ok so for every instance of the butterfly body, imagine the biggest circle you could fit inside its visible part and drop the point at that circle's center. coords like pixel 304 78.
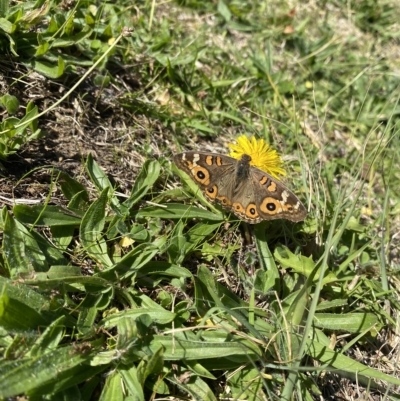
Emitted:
pixel 248 192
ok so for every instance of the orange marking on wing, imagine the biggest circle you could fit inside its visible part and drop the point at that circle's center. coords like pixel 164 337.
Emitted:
pixel 209 160
pixel 272 187
pixel 238 208
pixel 271 206
pixel 251 211
pixel 212 192
pixel 224 200
pixel 201 175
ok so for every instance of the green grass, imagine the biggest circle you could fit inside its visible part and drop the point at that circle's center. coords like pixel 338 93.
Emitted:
pixel 154 293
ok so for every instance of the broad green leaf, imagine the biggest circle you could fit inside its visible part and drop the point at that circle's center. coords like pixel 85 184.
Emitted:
pixel 24 294
pixel 247 384
pixel 199 232
pixel 5 25
pixel 151 366
pixel 32 111
pixel 215 345
pixel 112 389
pixel 35 135
pixel 91 231
pixel 156 385
pixel 267 262
pixel 4 8
pixel 68 27
pixel 102 80
pixel 62 236
pixel 343 364
pixel 10 103
pixel 138 232
pixel 72 41
pixel 163 269
pixel 228 116
pixel 132 383
pixel 61 272
pixel 8 128
pixel 33 16
pixel 218 249
pixel 75 376
pixel 50 338
pixel 264 281
pixel 196 387
pixel 300 264
pixel 197 125
pixel 71 393
pixel 97 175
pixel 223 9
pixel 71 188
pixel 11 311
pixel 144 181
pixel 296 303
pixel 108 32
pixel 209 292
pixel 42 49
pixel 199 370
pixel 177 244
pixel 131 262
pixel 229 82
pixel 127 332
pixel 43 252
pixel 27 120
pixel 86 319
pixel 46 215
pixel 347 322
pixel 178 211
pixel 100 180
pixel 158 314
pixel 92 284
pixel 335 303
pixel 353 256
pixel 14 247
pixel 79 202
pixel 48 69
pixel 210 288
pixel 28 375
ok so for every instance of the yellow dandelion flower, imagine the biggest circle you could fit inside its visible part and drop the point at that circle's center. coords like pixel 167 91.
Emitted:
pixel 262 155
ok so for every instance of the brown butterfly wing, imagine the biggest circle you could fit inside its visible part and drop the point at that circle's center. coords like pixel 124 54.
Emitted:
pixel 212 172
pixel 273 199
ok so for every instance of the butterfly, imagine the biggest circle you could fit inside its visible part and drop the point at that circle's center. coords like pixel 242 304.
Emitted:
pixel 248 192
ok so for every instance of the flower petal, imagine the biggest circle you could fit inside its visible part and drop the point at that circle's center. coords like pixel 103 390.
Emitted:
pixel 262 155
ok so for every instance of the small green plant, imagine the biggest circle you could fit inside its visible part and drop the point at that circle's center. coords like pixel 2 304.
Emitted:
pixel 16 132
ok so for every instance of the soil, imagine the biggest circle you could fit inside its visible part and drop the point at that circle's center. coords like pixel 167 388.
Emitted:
pixel 90 121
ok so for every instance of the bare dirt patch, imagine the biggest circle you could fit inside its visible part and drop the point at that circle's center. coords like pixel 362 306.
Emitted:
pixel 91 121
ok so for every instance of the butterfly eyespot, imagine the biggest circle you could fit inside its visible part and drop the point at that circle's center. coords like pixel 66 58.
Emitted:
pixel 210 190
pixel 200 175
pixel 271 207
pixel 252 211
